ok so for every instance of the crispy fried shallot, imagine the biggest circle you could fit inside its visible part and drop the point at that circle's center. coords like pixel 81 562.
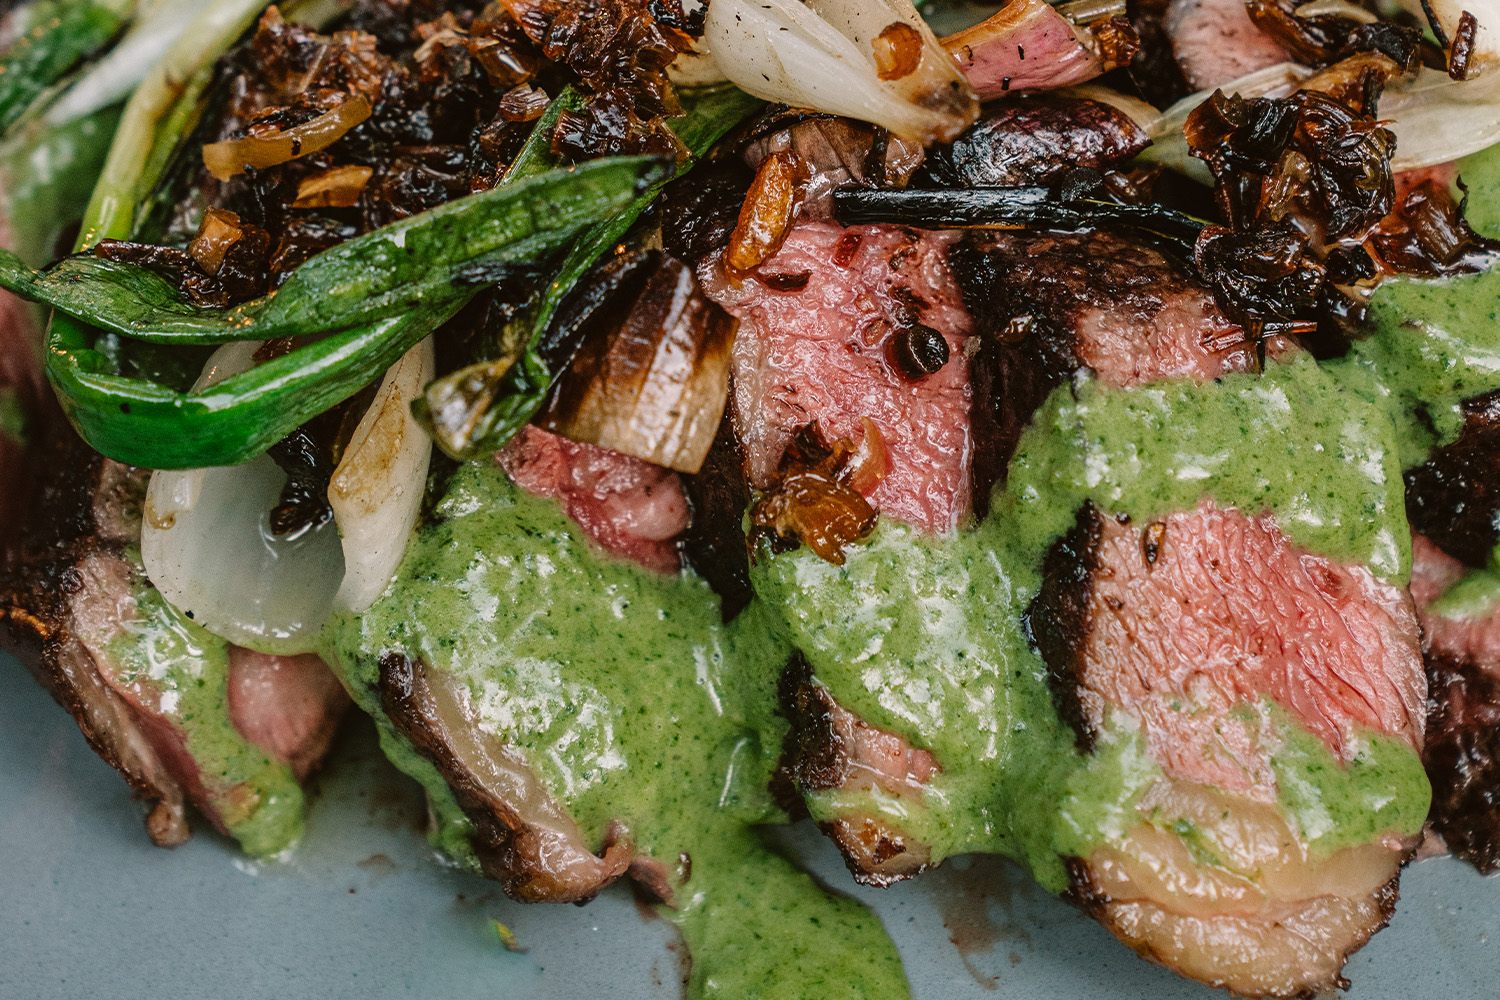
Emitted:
pixel 817 499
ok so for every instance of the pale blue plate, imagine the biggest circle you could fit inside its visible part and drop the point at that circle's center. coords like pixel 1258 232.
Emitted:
pixel 88 908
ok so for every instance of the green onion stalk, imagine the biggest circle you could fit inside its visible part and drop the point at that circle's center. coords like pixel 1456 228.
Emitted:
pixel 355 308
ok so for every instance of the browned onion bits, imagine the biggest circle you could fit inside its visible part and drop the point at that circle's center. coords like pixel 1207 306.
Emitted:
pixel 898 51
pixel 767 214
pixel 917 351
pixel 816 500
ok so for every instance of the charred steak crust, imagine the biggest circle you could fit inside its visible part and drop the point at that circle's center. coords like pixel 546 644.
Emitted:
pixel 1463 756
pixel 1046 305
pixel 510 850
pixel 82 506
pixel 1454 497
pixel 812 749
pixel 714 544
pixel 817 756
pixel 1084 892
pixel 1058 620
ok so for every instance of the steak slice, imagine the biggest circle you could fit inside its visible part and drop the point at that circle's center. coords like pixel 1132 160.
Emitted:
pixel 71 605
pixel 1045 306
pixel 1454 497
pixel 829 747
pixel 629 507
pixel 1462 754
pixel 1187 627
pixel 65 562
pixel 523 838
pixel 823 324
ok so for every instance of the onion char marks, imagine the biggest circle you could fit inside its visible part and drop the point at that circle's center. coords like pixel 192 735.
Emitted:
pixel 1454 497
pixel 1046 305
pixel 828 747
pixel 1186 629
pixel 819 352
pixel 523 838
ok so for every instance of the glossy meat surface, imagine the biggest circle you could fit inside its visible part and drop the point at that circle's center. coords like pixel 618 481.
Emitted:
pixel 820 353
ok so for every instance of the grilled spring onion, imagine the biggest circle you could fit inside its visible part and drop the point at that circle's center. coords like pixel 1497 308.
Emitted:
pixel 1007 208
pixel 369 290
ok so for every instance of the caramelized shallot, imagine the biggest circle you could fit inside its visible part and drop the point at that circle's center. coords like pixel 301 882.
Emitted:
pixel 232 156
pixel 818 498
pixel 767 214
pixel 336 187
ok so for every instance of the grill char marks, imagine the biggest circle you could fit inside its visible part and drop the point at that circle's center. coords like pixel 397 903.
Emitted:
pixel 1186 626
pixel 1061 617
pixel 1046 305
pixel 828 747
pixel 522 836
pixel 1454 498
pixel 714 544
pixel 80 516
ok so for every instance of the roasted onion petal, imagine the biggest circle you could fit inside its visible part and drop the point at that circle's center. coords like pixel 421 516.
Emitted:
pixel 376 490
pixel 822 55
pixel 655 384
pixel 228 158
pixel 1028 45
pixel 207 545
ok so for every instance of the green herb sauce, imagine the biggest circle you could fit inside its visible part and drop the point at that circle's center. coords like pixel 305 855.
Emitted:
pixel 928 640
pixel 159 650
pixel 1436 343
pixel 634 704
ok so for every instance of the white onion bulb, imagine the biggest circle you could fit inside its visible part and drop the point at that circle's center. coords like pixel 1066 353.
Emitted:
pixel 207 543
pixel 821 55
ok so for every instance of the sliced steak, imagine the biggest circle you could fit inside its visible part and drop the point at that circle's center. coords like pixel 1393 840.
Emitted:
pixel 69 599
pixel 1462 754
pixel 1187 626
pixel 1045 306
pixel 289 706
pixel 829 747
pixel 629 507
pixel 67 572
pixel 523 837
pixel 1454 497
pixel 1215 42
pixel 837 345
